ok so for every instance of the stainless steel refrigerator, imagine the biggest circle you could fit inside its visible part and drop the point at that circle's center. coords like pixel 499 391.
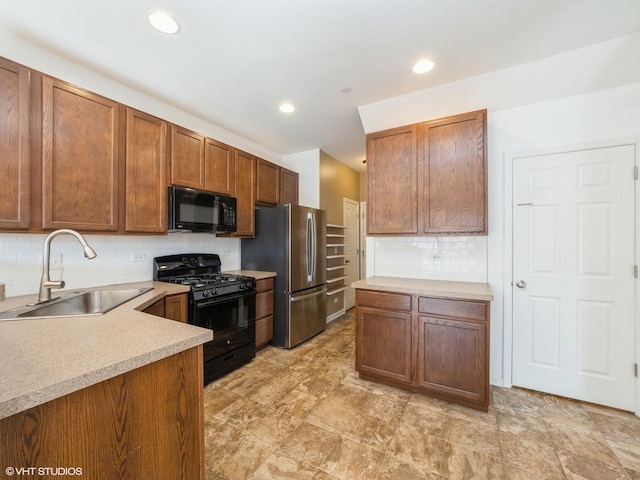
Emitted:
pixel 290 240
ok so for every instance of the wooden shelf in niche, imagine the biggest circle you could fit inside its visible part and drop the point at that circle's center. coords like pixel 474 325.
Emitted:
pixel 335 265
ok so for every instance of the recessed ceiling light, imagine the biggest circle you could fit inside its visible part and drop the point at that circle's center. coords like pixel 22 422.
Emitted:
pixel 164 22
pixel 287 108
pixel 423 66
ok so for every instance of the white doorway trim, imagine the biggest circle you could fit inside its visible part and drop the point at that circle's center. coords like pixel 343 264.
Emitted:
pixel 509 158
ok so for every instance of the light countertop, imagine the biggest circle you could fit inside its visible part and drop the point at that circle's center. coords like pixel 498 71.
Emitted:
pixel 257 274
pixel 431 288
pixel 43 359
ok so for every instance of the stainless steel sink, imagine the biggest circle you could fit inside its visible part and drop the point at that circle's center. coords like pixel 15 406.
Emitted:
pixel 89 302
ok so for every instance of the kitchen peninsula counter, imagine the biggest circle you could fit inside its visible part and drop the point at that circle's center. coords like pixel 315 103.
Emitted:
pixel 47 358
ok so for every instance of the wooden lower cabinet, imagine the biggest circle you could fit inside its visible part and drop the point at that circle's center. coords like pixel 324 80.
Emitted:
pixel 384 343
pixel 173 307
pixel 264 312
pixel 146 423
pixel 435 346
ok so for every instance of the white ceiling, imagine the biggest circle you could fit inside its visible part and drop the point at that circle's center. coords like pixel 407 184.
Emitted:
pixel 235 61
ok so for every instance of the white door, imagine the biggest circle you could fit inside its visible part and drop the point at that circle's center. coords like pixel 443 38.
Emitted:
pixel 573 278
pixel 350 216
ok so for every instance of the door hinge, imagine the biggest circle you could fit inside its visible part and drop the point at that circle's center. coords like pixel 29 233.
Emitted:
pixel 635 173
pixel 635 370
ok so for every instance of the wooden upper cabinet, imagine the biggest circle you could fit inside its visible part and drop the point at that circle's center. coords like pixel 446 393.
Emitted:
pixel 429 178
pixel 146 165
pixel 187 158
pixel 268 182
pixel 288 187
pixel 392 181
pixel 80 158
pixel 14 146
pixel 245 173
pixel 452 157
pixel 219 171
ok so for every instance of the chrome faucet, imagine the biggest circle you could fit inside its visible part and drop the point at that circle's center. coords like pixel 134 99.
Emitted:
pixel 46 284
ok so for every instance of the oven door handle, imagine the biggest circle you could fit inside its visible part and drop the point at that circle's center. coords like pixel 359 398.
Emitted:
pixel 225 299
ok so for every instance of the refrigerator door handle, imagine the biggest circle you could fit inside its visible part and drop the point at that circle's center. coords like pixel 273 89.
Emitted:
pixel 309 295
pixel 311 247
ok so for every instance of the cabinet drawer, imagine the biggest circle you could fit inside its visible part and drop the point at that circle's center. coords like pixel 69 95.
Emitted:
pixel 264 285
pixel 465 309
pixel 386 301
pixel 264 304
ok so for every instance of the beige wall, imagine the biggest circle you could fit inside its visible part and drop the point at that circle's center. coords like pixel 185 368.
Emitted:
pixel 363 187
pixel 337 181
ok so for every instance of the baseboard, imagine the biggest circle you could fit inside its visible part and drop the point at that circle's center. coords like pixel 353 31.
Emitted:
pixel 335 315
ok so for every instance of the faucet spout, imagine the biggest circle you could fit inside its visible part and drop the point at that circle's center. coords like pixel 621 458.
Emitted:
pixel 46 284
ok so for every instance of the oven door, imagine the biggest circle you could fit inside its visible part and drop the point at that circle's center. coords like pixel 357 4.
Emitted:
pixel 232 319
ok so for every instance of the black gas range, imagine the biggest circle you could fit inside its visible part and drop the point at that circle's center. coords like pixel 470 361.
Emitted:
pixel 222 302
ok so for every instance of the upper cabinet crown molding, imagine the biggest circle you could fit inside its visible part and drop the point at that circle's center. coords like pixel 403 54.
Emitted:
pixel 429 178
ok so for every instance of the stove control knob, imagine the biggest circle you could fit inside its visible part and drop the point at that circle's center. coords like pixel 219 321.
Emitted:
pixel 205 293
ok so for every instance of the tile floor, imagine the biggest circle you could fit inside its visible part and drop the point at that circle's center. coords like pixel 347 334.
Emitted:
pixel 305 414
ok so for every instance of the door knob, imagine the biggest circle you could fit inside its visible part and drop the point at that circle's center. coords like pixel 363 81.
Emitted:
pixel 521 284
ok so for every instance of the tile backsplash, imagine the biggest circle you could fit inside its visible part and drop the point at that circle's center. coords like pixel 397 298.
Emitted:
pixel 438 258
pixel 121 259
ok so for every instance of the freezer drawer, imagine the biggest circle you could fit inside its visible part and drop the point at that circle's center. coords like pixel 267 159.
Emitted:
pixel 306 315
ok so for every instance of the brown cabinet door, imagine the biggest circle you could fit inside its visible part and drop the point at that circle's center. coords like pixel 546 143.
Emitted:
pixel 245 194
pixel 452 358
pixel 187 158
pixel 80 158
pixel 176 307
pixel 156 308
pixel 392 182
pixel 264 312
pixel 219 171
pixel 267 182
pixel 146 165
pixel 452 159
pixel 14 146
pixel 383 345
pixel 288 187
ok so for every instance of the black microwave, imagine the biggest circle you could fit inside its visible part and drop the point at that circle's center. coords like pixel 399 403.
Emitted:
pixel 192 210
